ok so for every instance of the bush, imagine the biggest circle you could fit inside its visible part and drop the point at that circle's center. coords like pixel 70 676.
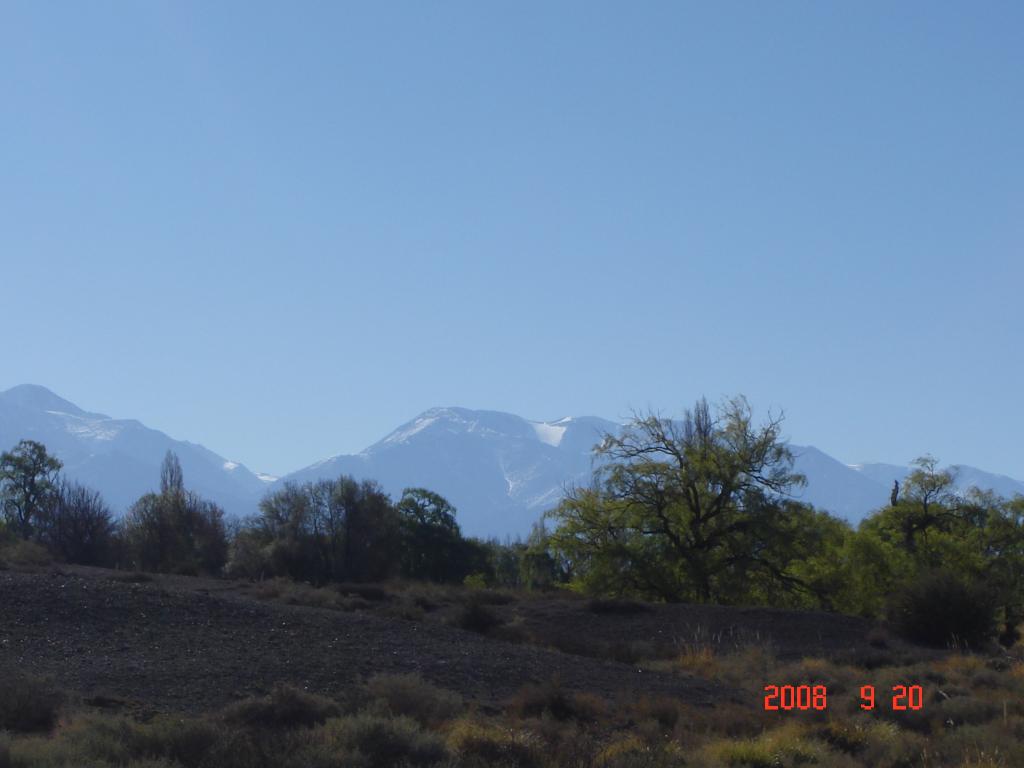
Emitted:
pixel 185 742
pixel 28 705
pixel 475 581
pixel 966 710
pixel 553 700
pixel 477 617
pixel 780 748
pixel 386 742
pixel 482 745
pixel 285 707
pixel 369 592
pixel 412 696
pixel 941 610
pixel 24 554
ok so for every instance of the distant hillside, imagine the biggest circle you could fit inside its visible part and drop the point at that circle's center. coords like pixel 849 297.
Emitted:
pixel 120 458
pixel 500 470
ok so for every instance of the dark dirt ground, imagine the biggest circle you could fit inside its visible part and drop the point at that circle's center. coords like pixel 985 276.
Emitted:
pixel 189 644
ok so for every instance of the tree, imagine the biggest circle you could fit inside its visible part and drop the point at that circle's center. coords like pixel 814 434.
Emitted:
pixel 1004 548
pixel 175 530
pixel 929 502
pixel 331 530
pixel 694 509
pixel 78 526
pixel 172 480
pixel 28 484
pixel 540 566
pixel 432 544
pixel 933 523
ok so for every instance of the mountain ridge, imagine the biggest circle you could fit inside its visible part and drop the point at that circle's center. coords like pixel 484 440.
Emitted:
pixel 500 470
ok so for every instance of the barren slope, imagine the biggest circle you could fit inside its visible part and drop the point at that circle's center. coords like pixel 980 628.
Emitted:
pixel 178 644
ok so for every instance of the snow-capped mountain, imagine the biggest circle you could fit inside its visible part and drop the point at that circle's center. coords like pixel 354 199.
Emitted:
pixel 500 471
pixel 120 458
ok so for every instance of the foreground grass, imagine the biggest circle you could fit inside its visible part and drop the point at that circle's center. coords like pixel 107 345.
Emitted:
pixel 973 716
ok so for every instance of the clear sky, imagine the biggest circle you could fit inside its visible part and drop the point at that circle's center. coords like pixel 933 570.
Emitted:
pixel 282 229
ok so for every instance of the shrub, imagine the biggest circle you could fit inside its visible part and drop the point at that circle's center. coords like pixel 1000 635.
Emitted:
pixel 555 701
pixel 781 748
pixel 663 710
pixel 477 744
pixel 310 597
pixel 634 752
pixel 386 742
pixel 966 710
pixel 28 704
pixel 412 696
pixel 369 592
pixel 477 617
pixel 941 610
pixel 24 554
pixel 100 740
pixel 699 660
pixel 187 742
pixel 285 707
pixel 889 747
pixel 475 581
pixel 847 737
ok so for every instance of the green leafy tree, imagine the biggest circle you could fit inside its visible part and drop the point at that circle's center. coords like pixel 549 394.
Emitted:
pixel 540 564
pixel 1004 549
pixel 432 544
pixel 694 509
pixel 28 486
pixel 929 504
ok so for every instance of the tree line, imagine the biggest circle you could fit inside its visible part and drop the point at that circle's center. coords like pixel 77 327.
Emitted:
pixel 317 532
pixel 704 508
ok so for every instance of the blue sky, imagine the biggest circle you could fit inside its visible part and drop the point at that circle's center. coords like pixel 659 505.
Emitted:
pixel 282 229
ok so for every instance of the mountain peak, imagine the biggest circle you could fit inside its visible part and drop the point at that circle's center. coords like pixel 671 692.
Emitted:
pixel 38 398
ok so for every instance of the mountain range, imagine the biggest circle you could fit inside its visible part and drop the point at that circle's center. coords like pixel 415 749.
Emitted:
pixel 501 471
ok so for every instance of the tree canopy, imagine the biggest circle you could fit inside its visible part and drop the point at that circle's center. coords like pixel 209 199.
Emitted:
pixel 28 485
pixel 690 509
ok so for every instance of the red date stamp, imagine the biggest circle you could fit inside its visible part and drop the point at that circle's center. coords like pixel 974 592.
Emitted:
pixel 815 697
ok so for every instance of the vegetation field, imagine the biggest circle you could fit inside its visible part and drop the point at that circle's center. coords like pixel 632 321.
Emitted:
pixel 114 668
pixel 683 609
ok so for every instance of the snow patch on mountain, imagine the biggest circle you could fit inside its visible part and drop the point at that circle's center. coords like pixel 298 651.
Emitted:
pixel 407 432
pixel 89 427
pixel 550 433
